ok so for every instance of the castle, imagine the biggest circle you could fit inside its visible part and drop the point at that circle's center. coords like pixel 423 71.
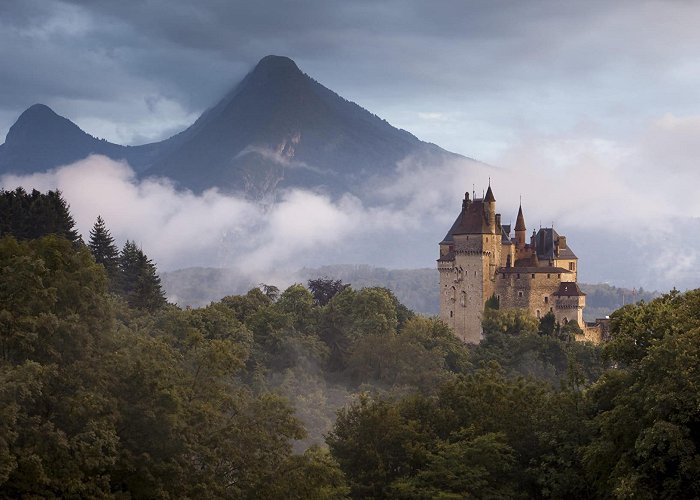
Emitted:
pixel 479 260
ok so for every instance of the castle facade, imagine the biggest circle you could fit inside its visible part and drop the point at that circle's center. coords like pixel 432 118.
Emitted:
pixel 479 259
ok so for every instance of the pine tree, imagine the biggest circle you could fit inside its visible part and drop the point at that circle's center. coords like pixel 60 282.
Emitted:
pixel 32 215
pixel 139 282
pixel 104 250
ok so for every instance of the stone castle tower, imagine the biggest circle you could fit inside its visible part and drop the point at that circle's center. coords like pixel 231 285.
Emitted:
pixel 479 259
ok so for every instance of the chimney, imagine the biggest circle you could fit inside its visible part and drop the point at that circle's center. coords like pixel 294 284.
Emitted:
pixel 562 242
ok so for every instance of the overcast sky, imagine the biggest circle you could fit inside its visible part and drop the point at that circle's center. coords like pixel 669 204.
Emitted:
pixel 590 108
pixel 471 76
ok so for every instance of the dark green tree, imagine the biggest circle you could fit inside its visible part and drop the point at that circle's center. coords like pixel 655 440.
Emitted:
pixel 33 215
pixel 324 289
pixel 492 302
pixel 104 250
pixel 139 282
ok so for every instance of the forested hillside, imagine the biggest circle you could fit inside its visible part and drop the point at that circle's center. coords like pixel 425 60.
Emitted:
pixel 108 391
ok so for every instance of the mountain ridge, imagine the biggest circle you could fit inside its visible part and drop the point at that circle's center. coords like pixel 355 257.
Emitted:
pixel 277 128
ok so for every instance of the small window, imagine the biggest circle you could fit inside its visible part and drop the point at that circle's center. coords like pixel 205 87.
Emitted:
pixel 548 275
pixel 451 314
pixel 546 300
pixel 517 276
pixel 551 309
pixel 538 314
pixel 533 276
pixel 559 275
pixel 572 266
pixel 520 294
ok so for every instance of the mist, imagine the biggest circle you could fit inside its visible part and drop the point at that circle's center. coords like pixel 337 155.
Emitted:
pixel 593 191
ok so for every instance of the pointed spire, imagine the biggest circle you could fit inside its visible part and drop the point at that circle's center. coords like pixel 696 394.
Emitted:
pixel 489 198
pixel 520 222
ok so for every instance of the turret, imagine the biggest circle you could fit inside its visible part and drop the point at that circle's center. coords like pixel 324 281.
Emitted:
pixel 490 207
pixel 520 229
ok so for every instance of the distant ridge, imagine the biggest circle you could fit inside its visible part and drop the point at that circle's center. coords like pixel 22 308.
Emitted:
pixel 277 128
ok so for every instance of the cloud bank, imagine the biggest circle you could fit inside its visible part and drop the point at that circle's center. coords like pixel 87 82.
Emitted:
pixel 629 224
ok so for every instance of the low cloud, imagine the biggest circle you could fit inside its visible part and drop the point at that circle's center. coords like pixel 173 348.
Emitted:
pixel 631 222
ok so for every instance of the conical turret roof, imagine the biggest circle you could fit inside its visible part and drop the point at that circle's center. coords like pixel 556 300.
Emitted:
pixel 489 198
pixel 520 223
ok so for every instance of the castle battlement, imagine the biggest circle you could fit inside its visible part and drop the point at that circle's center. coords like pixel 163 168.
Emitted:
pixel 479 259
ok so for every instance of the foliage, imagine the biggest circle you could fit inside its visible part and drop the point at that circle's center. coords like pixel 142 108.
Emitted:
pixel 103 249
pixel 324 289
pixel 138 281
pixel 98 399
pixel 33 215
pixel 646 442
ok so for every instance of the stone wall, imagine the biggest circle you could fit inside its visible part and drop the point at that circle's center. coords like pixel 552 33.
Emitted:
pixel 527 290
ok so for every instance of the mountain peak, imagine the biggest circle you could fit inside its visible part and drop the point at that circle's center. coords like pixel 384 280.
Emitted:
pixel 276 63
pixel 40 120
pixel 275 68
pixel 38 112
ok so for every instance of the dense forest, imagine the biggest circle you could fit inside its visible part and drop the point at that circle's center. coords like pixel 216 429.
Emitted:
pixel 321 390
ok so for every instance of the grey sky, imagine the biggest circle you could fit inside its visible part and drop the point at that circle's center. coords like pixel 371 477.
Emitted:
pixel 472 76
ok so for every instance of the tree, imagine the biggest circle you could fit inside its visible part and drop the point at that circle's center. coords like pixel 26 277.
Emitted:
pixel 33 215
pixel 270 291
pixel 139 283
pixel 324 289
pixel 104 250
pixel 492 302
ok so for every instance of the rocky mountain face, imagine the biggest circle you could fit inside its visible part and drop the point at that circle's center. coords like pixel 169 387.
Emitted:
pixel 277 128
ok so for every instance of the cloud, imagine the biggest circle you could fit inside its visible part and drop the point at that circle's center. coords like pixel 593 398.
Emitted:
pixel 180 229
pixel 631 221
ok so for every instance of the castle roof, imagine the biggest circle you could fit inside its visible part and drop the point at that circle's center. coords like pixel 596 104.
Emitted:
pixel 489 198
pixel 546 242
pixel 569 289
pixel 520 222
pixel 505 235
pixel 471 220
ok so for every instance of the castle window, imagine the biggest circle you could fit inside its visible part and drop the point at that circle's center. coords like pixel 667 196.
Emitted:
pixel 538 314
pixel 548 275
pixel 551 309
pixel 559 275
pixel 546 300
pixel 533 276
pixel 520 294
pixel 451 314
pixel 517 276
pixel 572 266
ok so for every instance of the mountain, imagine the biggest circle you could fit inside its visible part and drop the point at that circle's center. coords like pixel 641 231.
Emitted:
pixel 277 128
pixel 40 139
pixel 280 128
